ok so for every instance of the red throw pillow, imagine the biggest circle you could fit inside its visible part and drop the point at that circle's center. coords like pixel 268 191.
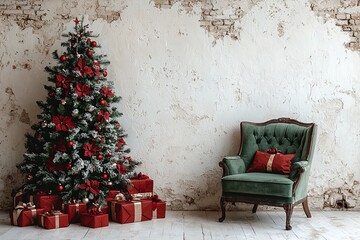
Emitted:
pixel 274 163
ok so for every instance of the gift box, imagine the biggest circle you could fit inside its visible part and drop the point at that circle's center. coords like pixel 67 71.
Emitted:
pixel 94 221
pixel 145 186
pixel 74 210
pixel 113 193
pixel 54 219
pixel 104 210
pixel 128 212
pixel 24 216
pixel 46 202
pixel 159 209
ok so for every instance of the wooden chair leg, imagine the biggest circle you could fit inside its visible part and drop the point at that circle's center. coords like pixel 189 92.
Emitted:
pixel 222 205
pixel 288 210
pixel 255 207
pixel 306 208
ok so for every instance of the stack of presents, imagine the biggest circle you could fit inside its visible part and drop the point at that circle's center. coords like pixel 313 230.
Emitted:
pixel 138 204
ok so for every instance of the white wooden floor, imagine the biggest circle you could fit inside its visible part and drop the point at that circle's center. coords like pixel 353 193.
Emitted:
pixel 337 225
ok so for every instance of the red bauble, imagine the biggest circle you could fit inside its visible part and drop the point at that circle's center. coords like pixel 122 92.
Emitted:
pixel 105 176
pixel 68 166
pixel 93 44
pixel 89 53
pixel 60 188
pixel 102 139
pixel 51 93
pixel 99 157
pixel 62 58
pixel 105 73
pixel 118 124
pixel 70 143
pixel 102 102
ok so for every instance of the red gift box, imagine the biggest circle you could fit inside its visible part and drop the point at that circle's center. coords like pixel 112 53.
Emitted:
pixel 46 202
pixel 141 186
pixel 128 212
pixel 94 221
pixel 74 210
pixel 24 217
pixel 104 209
pixel 53 220
pixel 159 209
pixel 113 193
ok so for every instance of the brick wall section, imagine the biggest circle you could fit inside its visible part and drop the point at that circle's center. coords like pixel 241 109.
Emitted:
pixel 218 22
pixel 29 13
pixel 347 16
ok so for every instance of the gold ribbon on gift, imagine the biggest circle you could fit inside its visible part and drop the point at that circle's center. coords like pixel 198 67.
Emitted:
pixel 139 196
pixel 120 197
pixel 137 211
pixel 18 194
pixel 15 216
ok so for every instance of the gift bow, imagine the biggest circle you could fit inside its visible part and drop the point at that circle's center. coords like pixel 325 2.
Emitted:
pixel 24 206
pixel 53 213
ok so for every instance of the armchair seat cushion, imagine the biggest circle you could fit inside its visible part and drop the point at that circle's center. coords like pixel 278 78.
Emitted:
pixel 258 183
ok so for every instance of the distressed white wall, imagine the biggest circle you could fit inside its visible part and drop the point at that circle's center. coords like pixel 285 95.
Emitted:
pixel 185 93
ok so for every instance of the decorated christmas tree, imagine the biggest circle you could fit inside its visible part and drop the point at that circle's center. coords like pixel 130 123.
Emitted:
pixel 78 149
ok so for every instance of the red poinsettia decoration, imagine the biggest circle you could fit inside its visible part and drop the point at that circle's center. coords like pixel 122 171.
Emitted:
pixel 51 166
pixel 106 92
pixel 90 149
pixel 63 123
pixel 81 66
pixel 102 116
pixel 82 89
pixel 60 146
pixel 91 185
pixel 62 81
pixel 121 168
pixel 120 143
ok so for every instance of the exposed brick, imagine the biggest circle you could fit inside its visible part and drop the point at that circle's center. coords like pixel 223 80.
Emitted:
pixel 29 11
pixel 218 22
pixel 204 23
pixel 12 12
pixel 343 22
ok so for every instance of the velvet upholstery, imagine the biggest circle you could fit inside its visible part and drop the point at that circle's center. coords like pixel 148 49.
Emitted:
pixel 290 137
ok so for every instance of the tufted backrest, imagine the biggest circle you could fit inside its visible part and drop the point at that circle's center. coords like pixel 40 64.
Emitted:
pixel 287 135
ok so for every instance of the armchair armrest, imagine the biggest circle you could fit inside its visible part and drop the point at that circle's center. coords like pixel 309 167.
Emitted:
pixel 298 168
pixel 232 165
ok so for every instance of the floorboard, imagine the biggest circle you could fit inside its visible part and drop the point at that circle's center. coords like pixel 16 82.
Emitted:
pixel 204 225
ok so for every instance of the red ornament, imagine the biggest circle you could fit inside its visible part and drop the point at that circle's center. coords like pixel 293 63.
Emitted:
pixel 51 93
pixel 89 53
pixel 118 124
pixel 99 157
pixel 105 176
pixel 76 21
pixel 102 139
pixel 105 73
pixel 60 188
pixel 70 143
pixel 93 44
pixel 102 102
pixel 62 58
pixel 68 166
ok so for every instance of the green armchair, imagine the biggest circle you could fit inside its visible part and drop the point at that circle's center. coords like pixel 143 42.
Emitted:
pixel 290 137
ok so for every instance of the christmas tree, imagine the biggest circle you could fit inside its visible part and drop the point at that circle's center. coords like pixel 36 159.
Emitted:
pixel 78 149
